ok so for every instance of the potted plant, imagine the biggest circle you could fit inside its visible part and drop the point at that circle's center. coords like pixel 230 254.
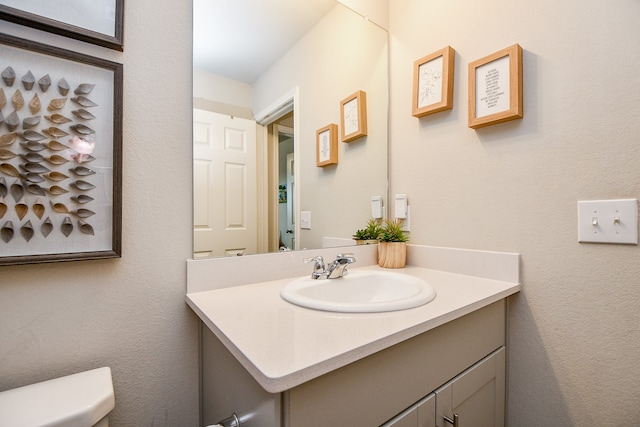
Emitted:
pixel 392 249
pixel 368 235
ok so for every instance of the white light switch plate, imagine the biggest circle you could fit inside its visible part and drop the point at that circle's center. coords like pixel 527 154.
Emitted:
pixel 305 220
pixel 376 207
pixel 400 208
pixel 608 221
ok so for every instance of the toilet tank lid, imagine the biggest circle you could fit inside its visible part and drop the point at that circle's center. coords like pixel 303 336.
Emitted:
pixel 78 400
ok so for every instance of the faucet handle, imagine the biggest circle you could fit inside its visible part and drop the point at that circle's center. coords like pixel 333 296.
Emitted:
pixel 319 266
pixel 318 259
pixel 348 257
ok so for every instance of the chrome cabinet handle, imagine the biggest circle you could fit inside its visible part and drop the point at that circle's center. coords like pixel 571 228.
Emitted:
pixel 232 421
pixel 453 421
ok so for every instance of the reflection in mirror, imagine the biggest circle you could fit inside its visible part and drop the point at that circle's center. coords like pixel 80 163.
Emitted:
pixel 254 136
pixel 283 130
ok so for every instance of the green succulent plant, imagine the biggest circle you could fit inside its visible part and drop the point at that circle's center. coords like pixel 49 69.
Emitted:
pixel 392 231
pixel 370 232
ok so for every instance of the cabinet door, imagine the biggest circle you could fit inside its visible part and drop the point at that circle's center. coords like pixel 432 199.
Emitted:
pixel 427 411
pixel 422 414
pixel 476 396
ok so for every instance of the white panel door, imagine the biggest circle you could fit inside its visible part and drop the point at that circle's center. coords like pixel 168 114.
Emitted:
pixel 225 199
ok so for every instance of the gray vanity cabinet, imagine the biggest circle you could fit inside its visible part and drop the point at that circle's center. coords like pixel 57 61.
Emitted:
pixel 476 396
pixel 458 366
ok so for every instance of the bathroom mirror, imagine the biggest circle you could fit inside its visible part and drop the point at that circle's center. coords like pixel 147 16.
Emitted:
pixel 283 105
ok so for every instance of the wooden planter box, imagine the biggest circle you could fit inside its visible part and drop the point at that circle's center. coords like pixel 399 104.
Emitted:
pixel 392 254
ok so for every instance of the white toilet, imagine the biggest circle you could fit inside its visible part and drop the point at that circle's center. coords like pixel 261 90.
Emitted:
pixel 79 400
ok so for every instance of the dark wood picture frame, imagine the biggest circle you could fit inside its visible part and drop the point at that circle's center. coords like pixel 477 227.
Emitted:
pixel 60 175
pixel 115 41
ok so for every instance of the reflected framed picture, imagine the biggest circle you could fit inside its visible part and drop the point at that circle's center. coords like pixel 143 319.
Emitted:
pixel 99 22
pixel 327 145
pixel 433 82
pixel 495 88
pixel 353 116
pixel 60 154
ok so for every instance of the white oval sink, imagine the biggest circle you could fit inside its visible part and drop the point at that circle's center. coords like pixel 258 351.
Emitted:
pixel 361 291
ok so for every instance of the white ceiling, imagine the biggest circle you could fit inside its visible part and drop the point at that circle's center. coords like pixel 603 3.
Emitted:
pixel 240 39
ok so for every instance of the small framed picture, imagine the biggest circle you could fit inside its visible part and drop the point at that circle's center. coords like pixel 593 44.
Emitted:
pixel 99 22
pixel 327 145
pixel 353 116
pixel 433 82
pixel 495 88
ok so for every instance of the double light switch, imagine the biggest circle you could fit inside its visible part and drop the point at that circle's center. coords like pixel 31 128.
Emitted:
pixel 608 221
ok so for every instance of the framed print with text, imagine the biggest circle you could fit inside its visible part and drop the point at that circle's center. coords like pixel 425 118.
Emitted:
pixel 495 88
pixel 99 22
pixel 353 116
pixel 433 82
pixel 327 145
pixel 60 154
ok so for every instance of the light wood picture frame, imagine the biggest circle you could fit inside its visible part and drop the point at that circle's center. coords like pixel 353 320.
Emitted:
pixel 495 88
pixel 353 116
pixel 433 82
pixel 327 145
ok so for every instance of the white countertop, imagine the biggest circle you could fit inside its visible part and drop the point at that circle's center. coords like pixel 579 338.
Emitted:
pixel 283 345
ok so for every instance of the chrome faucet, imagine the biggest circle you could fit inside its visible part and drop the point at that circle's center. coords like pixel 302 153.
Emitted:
pixel 337 268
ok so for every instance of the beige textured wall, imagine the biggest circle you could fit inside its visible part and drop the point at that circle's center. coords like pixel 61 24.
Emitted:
pixel 574 330
pixel 126 313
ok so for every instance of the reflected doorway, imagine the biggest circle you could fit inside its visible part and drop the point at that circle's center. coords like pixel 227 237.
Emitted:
pixel 244 185
pixel 225 185
pixel 283 170
pixel 286 185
